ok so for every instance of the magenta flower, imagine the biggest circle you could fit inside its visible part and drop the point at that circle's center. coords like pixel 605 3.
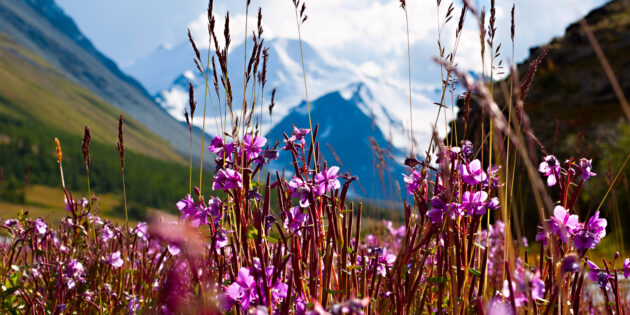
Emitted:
pixel 472 173
pixel 299 188
pixel 597 275
pixel 550 167
pixel 436 214
pixel 524 284
pixel 295 219
pixel 192 212
pixel 222 239
pixel 279 290
pixel 467 148
pixel 253 146
pixel 11 223
pixel 474 203
pixel 413 182
pixel 227 179
pixel 74 273
pixel 596 225
pixel 297 138
pixel 397 233
pixel 40 226
pixel 115 260
pixel 493 177
pixel 142 230
pixel 215 210
pixel 439 209
pixel 243 290
pixel 327 181
pixel 563 224
pixel 570 263
pixel 300 305
pixel 626 268
pixel 585 167
pixel 173 249
pixel 106 233
pixel 223 150
pixel 592 233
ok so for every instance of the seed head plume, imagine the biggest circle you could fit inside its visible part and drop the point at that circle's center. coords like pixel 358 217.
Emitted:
pixel 482 33
pixel 492 29
pixel 210 9
pixel 59 158
pixel 211 21
pixel 120 145
pixel 512 28
pixel 403 4
pixel 194 46
pixel 263 76
pixel 252 58
pixel 198 66
pixel 187 119
pixel 533 67
pixel 462 17
pixel 191 100
pixel 58 149
pixel 215 80
pixel 85 146
pixel 273 98
pixel 260 28
pixel 226 32
pixel 258 52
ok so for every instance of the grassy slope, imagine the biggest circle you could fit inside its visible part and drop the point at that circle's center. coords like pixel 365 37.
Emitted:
pixel 37 104
pixel 33 91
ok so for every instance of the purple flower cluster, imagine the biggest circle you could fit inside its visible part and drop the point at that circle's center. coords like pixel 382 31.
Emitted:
pixel 550 167
pixel 227 179
pixel 324 181
pixel 246 287
pixel 566 226
pixel 197 213
pixel 295 219
pixel 297 139
pixel 526 285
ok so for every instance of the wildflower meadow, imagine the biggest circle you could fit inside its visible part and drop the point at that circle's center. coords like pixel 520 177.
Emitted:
pixel 255 237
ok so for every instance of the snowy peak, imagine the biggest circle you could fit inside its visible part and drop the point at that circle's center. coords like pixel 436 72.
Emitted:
pixel 347 137
pixel 158 69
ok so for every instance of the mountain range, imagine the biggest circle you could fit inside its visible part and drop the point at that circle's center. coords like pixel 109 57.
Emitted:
pixel 337 90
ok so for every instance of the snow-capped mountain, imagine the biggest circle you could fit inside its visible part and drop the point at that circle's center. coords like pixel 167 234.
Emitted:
pixel 387 101
pixel 347 137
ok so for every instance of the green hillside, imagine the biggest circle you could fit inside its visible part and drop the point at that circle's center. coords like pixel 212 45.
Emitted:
pixel 37 104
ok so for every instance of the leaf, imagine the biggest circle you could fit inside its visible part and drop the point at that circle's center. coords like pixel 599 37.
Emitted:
pixel 252 232
pixel 9 291
pixel 330 291
pixel 438 279
pixel 474 272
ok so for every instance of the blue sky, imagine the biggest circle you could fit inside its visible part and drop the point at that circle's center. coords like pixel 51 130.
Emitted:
pixel 368 33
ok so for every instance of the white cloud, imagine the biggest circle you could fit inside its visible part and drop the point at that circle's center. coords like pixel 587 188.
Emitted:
pixel 372 34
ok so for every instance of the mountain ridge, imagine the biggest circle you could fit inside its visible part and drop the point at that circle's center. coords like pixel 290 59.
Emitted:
pixel 39 25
